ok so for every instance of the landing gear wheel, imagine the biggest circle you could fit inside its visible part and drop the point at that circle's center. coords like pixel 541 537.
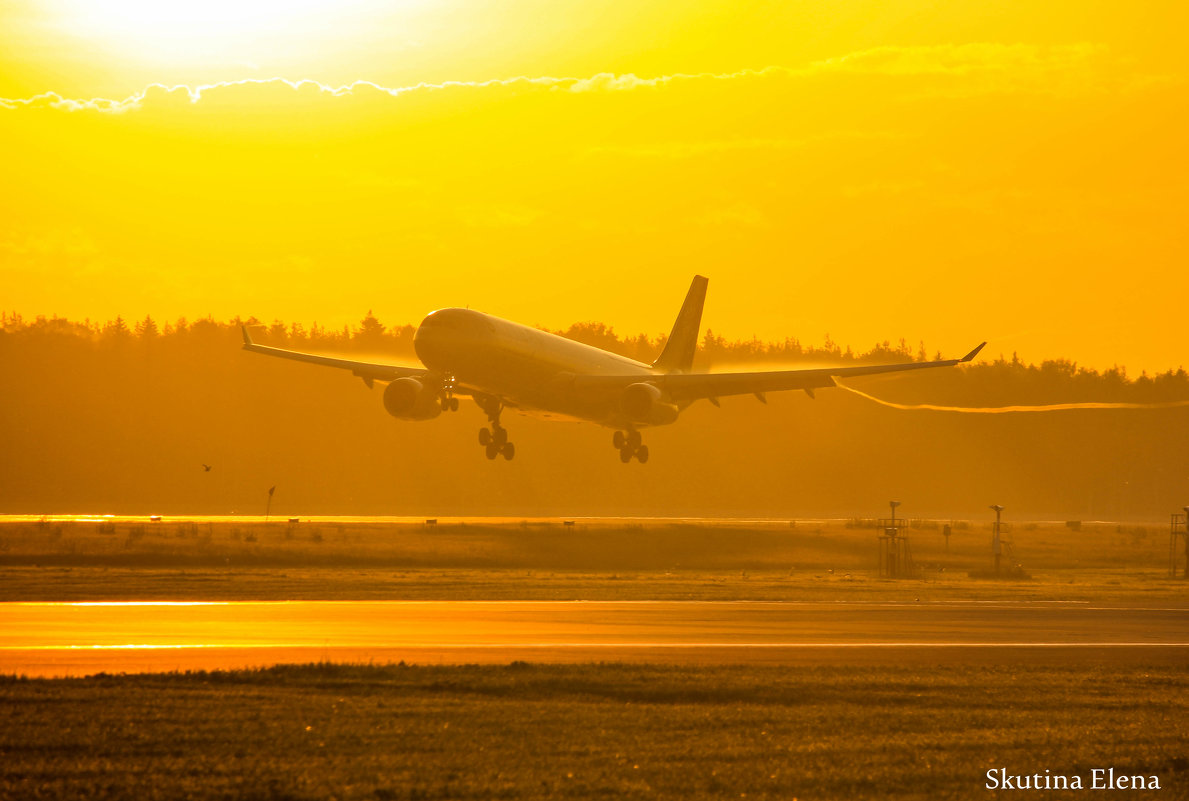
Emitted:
pixel 454 404
pixel 629 443
pixel 493 439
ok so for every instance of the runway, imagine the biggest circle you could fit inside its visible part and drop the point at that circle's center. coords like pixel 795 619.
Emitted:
pixel 70 639
pixel 467 520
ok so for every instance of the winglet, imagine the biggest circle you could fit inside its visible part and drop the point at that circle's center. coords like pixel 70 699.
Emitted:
pixel 972 353
pixel 248 341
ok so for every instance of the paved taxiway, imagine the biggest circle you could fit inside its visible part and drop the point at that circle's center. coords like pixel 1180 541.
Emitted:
pixel 48 639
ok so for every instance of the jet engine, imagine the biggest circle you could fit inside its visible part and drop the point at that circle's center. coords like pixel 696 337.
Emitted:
pixel 645 403
pixel 409 399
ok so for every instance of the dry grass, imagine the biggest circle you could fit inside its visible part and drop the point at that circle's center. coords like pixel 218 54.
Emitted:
pixel 1118 587
pixel 579 731
pixel 240 561
pixel 585 731
pixel 595 546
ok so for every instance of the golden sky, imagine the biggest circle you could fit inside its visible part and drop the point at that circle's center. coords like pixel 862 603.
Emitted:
pixel 942 171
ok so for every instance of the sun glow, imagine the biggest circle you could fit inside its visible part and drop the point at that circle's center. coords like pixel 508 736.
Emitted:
pixel 994 173
pixel 239 31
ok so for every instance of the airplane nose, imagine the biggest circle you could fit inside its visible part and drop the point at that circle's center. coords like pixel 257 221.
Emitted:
pixel 432 339
pixel 427 344
pixel 450 338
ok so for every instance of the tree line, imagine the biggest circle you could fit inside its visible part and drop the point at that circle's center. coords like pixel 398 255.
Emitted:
pixel 1060 380
pixel 121 417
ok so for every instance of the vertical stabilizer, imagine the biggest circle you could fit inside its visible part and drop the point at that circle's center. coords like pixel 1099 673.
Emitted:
pixel 678 355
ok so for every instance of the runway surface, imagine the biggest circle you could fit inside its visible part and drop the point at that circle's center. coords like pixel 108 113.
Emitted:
pixel 64 639
pixel 472 520
pixel 332 519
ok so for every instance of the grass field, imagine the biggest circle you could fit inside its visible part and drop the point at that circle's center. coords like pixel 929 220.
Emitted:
pixel 368 561
pixel 593 731
pixel 819 731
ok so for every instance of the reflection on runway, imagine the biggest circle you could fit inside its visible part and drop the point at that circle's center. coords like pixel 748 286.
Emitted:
pixel 81 638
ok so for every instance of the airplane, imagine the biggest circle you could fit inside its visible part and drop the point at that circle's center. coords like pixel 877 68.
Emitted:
pixel 505 365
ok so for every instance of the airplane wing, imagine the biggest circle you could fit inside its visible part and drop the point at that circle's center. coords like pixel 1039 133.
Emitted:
pixel 692 386
pixel 368 371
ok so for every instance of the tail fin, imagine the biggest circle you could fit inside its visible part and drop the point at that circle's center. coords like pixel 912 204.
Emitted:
pixel 678 355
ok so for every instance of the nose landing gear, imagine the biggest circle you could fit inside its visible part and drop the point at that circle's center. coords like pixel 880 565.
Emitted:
pixel 630 445
pixel 448 402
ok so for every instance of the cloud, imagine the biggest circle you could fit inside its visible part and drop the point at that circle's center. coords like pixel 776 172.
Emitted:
pixel 498 215
pixel 964 59
pixel 610 82
pixel 973 69
pixel 53 100
pixel 49 242
pixel 685 149
pixel 966 68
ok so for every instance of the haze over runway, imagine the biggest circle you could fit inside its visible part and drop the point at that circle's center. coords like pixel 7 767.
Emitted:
pixel 52 639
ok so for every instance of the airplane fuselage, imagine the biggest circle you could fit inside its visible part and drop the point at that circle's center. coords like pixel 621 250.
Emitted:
pixel 502 364
pixel 530 369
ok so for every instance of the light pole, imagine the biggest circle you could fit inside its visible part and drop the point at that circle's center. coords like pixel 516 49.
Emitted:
pixel 1186 508
pixel 996 546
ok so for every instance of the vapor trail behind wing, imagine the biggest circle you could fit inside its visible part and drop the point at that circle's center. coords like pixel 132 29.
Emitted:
pixel 1054 407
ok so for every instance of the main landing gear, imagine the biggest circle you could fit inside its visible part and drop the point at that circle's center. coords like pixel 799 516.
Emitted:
pixel 495 439
pixel 630 445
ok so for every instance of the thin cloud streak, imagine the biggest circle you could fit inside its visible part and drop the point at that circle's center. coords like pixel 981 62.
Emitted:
pixel 984 67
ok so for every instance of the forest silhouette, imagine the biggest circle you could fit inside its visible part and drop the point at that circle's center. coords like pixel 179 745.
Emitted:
pixel 122 418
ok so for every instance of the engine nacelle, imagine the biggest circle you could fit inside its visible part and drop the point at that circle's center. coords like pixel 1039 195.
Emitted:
pixel 409 399
pixel 644 403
